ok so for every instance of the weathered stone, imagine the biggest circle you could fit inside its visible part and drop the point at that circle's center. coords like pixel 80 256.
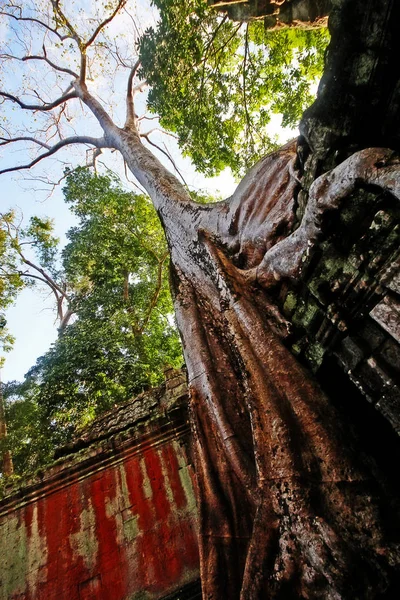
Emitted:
pixel 115 520
pixel 387 314
pixel 349 353
pixel 389 405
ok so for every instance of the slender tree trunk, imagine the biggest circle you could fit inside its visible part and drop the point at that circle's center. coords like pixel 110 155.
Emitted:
pixel 7 463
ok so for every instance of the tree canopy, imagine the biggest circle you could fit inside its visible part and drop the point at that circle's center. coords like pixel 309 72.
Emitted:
pixel 217 83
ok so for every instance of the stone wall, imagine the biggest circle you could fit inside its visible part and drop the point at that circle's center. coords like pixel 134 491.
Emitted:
pixel 115 517
pixel 346 309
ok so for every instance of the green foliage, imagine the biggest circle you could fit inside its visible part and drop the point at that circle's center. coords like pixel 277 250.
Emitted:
pixel 18 248
pixel 116 264
pixel 30 436
pixel 39 234
pixel 216 83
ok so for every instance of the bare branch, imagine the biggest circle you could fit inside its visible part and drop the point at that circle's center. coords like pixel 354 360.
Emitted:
pixel 59 12
pixel 44 58
pixel 146 133
pixel 166 153
pixel 146 118
pixel 120 5
pixel 97 142
pixel 49 62
pixel 38 22
pixel 39 107
pixel 6 141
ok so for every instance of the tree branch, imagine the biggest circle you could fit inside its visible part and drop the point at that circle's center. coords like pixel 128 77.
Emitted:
pixel 64 21
pixel 40 107
pixel 146 137
pixel 120 5
pixel 97 142
pixel 156 294
pixel 130 107
pixel 65 319
pixel 6 141
pixel 38 22
pixel 53 65
pixel 96 108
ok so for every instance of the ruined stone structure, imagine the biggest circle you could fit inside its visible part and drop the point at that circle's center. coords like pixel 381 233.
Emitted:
pixel 114 518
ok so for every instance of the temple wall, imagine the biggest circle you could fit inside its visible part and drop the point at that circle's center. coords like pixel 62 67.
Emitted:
pixel 114 520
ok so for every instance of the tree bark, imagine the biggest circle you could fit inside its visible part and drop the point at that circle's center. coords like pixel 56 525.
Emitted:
pixel 277 14
pixel 7 467
pixel 289 507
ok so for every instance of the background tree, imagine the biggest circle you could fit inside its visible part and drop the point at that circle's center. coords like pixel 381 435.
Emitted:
pixel 31 437
pixel 122 333
pixel 282 483
pixel 27 258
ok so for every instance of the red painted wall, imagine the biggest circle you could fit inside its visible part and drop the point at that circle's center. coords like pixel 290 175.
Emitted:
pixel 117 525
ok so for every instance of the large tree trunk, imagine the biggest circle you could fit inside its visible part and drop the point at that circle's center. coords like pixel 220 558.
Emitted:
pixel 289 507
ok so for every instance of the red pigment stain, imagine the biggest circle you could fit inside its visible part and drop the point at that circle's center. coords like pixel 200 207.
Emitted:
pixel 165 545
pixel 64 568
pixel 141 506
pixel 190 546
pixel 154 471
pixel 171 462
pixel 111 559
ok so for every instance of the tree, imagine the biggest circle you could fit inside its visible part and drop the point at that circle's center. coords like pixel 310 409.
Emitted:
pixel 216 83
pixel 29 257
pixel 19 247
pixel 288 505
pixel 31 437
pixel 119 336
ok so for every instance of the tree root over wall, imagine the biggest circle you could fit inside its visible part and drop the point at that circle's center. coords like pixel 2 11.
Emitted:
pixel 289 505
